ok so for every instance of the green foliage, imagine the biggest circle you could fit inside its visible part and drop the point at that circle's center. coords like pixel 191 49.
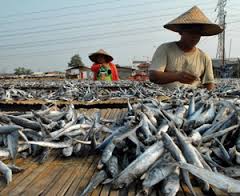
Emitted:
pixel 22 71
pixel 75 61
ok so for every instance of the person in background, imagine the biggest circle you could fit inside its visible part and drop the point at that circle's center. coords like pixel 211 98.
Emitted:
pixel 181 63
pixel 102 68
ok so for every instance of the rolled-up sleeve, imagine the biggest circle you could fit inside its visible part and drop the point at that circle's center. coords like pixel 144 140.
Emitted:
pixel 159 60
pixel 208 76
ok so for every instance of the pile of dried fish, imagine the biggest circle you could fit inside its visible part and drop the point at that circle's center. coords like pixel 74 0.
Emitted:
pixel 228 87
pixel 80 91
pixel 36 133
pixel 54 83
pixel 156 144
pixel 69 90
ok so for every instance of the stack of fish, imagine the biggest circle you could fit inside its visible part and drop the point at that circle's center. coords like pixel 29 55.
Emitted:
pixel 36 133
pixel 161 143
pixel 79 90
pixel 69 90
pixel 25 84
pixel 155 143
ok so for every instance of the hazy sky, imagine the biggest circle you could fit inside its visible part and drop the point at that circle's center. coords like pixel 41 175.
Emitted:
pixel 43 35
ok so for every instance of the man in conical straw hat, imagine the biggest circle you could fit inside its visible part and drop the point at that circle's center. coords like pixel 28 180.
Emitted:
pixel 102 68
pixel 181 63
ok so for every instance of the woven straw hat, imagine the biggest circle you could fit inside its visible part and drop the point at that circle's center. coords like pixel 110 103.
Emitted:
pixel 93 56
pixel 194 17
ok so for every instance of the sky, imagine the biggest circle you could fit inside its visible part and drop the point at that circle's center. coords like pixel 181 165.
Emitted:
pixel 44 35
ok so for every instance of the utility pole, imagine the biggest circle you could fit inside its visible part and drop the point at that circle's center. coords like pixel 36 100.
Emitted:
pixel 230 48
pixel 223 51
pixel 221 37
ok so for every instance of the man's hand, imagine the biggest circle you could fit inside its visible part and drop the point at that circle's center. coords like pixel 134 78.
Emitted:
pixel 185 77
pixel 209 86
pixel 160 77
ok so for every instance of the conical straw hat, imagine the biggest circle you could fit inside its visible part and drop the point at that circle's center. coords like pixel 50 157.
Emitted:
pixel 195 17
pixel 93 56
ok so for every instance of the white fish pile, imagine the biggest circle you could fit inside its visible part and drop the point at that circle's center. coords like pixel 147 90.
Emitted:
pixel 68 90
pixel 161 143
pixel 36 133
pixel 154 143
pixel 78 90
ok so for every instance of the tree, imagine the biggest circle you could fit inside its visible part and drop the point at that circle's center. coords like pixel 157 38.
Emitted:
pixel 75 61
pixel 22 71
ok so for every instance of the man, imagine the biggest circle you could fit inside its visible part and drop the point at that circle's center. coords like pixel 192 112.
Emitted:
pixel 181 63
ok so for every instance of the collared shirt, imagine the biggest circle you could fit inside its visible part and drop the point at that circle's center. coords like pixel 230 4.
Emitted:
pixel 169 57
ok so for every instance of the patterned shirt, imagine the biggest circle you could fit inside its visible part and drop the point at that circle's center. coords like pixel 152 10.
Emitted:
pixel 104 73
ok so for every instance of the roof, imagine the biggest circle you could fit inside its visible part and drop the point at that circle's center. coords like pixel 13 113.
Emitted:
pixel 140 62
pixel 140 74
pixel 144 65
pixel 124 67
pixel 38 73
pixel 78 67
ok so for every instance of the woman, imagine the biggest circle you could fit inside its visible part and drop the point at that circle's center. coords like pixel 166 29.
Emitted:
pixel 102 68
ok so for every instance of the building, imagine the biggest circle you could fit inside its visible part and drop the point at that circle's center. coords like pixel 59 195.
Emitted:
pixel 79 72
pixel 143 67
pixel 54 74
pixel 139 76
pixel 231 69
pixel 38 73
pixel 124 72
pixel 141 72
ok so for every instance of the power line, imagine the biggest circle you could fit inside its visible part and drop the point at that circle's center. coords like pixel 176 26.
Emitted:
pixel 83 26
pixel 74 50
pixel 232 22
pixel 59 51
pixel 84 12
pixel 87 12
pixel 67 23
pixel 124 34
pixel 232 31
pixel 235 8
pixel 62 41
pixel 77 38
pixel 72 39
pixel 82 38
pixel 49 52
pixel 27 33
pixel 57 9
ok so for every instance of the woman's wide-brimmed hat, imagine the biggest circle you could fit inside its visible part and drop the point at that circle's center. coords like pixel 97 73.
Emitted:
pixel 93 56
pixel 196 18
